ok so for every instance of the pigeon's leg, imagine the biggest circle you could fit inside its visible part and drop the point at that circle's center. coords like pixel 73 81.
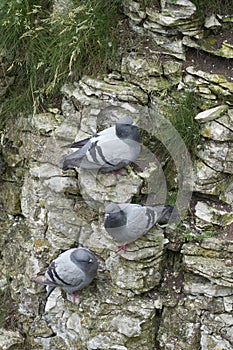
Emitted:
pixel 122 247
pixel 117 173
pixel 74 297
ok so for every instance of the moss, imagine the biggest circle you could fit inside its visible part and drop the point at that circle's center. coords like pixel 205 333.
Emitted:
pixel 9 316
pixel 196 237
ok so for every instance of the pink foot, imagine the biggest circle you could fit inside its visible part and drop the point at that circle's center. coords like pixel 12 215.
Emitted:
pixel 121 247
pixel 117 173
pixel 74 297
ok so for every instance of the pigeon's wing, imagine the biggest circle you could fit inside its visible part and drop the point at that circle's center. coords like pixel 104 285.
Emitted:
pixel 41 279
pixel 64 273
pixel 77 144
pixel 105 151
pixel 49 290
pixel 110 151
pixel 81 143
pixel 140 219
pixel 75 159
pixel 90 155
pixel 168 214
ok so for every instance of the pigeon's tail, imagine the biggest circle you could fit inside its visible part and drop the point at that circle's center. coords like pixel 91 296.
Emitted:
pixel 49 290
pixel 168 214
pixel 69 162
pixel 66 164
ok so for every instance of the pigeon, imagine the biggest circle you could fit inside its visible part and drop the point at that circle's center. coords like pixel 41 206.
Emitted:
pixel 127 222
pixel 71 271
pixel 108 150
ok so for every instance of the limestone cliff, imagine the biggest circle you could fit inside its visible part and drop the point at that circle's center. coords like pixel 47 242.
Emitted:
pixel 171 289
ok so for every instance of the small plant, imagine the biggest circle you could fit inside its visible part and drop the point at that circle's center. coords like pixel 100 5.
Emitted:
pixel 182 114
pixel 196 236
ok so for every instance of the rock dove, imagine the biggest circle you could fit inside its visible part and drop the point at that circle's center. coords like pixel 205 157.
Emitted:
pixel 126 222
pixel 108 150
pixel 71 271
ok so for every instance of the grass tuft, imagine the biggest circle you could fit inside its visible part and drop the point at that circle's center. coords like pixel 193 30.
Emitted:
pixel 182 114
pixel 42 47
pixel 209 7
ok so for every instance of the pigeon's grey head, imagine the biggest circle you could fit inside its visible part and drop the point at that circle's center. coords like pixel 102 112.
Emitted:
pixel 114 216
pixel 126 130
pixel 85 260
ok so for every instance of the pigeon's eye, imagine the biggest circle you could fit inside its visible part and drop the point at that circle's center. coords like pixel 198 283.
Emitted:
pixel 90 260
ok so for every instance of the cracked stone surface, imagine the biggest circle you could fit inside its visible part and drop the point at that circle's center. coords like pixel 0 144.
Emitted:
pixel 164 289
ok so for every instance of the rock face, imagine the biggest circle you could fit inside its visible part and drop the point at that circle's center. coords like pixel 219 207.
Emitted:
pixel 172 288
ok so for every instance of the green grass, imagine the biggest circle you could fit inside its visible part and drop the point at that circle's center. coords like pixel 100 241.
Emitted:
pixel 208 7
pixel 181 113
pixel 42 48
pixel 190 236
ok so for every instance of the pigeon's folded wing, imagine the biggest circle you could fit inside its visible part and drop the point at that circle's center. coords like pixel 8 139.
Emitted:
pixel 65 274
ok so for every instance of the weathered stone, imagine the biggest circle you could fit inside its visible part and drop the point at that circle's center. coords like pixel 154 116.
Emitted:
pixel 99 189
pixel 211 114
pixel 227 85
pixel 227 195
pixel 216 331
pixel 221 92
pixel 46 122
pixel 167 46
pixel 10 339
pixel 173 71
pixel 197 285
pixel 183 335
pixel 44 171
pixel 225 51
pixel 211 247
pixel 147 73
pixel 212 22
pixel 173 14
pixel 210 181
pixel 154 27
pixel 213 215
pixel 10 195
pixel 62 7
pixel 213 78
pixel 137 319
pixel 134 11
pixel 180 9
pixel 191 29
pixel 216 131
pixel 69 128
pixel 113 90
pixel 205 263
pixel 218 155
pixel 139 268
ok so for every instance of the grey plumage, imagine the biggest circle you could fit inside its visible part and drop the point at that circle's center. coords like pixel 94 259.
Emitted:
pixel 108 150
pixel 71 271
pixel 126 222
